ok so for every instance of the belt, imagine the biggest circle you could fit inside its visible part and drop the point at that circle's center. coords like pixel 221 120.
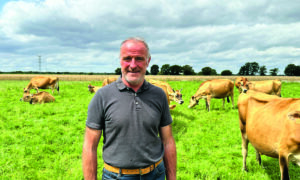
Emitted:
pixel 140 171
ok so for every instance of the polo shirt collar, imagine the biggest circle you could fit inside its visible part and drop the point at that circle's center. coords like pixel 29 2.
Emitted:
pixel 122 86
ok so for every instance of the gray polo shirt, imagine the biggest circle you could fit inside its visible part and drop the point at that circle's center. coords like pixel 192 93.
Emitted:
pixel 130 123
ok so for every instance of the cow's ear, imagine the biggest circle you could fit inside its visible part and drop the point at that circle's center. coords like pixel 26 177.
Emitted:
pixel 193 97
pixel 295 116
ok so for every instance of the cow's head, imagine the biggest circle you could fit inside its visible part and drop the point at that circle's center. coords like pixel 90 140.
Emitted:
pixel 26 97
pixel 177 96
pixel 193 102
pixel 239 81
pixel 91 88
pixel 244 86
pixel 26 90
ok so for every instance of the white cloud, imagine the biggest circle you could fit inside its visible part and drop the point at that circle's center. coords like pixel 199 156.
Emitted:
pixel 84 35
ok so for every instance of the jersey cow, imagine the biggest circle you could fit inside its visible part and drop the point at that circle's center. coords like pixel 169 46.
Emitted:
pixel 216 88
pixel 108 80
pixel 174 95
pixel 42 82
pixel 41 97
pixel 268 86
pixel 272 125
pixel 93 89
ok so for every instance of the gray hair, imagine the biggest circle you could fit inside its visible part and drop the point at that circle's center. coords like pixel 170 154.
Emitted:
pixel 140 40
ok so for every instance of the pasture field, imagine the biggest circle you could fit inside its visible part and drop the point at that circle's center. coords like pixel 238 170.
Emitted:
pixel 44 141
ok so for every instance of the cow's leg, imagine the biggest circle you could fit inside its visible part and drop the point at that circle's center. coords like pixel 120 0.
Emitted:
pixel 231 97
pixel 223 102
pixel 284 169
pixel 245 143
pixel 208 103
pixel 258 157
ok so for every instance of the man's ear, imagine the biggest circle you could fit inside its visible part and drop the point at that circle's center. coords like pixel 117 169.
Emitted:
pixel 149 59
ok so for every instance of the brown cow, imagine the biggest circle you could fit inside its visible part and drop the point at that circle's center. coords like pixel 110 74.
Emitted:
pixel 174 95
pixel 267 86
pixel 272 125
pixel 239 81
pixel 108 80
pixel 216 88
pixel 165 89
pixel 93 89
pixel 41 97
pixel 42 82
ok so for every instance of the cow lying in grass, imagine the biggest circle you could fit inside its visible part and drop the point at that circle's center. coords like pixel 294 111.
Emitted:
pixel 93 89
pixel 41 97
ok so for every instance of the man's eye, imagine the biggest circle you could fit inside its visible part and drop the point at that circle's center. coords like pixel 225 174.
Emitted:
pixel 139 58
pixel 126 58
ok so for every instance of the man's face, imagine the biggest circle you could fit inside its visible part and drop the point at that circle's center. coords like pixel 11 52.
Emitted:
pixel 134 61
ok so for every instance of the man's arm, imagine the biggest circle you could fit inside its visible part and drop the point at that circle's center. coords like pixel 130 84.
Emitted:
pixel 170 157
pixel 89 153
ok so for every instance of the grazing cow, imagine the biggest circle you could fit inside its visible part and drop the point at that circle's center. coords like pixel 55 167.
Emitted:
pixel 216 88
pixel 165 89
pixel 108 80
pixel 174 95
pixel 272 125
pixel 42 82
pixel 93 89
pixel 41 97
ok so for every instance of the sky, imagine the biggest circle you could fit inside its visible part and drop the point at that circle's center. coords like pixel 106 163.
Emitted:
pixel 85 35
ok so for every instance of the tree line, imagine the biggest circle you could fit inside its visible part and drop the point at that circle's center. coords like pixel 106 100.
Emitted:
pixel 249 69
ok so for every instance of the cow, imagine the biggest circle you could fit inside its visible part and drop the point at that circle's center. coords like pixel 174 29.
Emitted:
pixel 93 89
pixel 239 81
pixel 267 86
pixel 41 97
pixel 165 89
pixel 272 125
pixel 43 82
pixel 174 95
pixel 108 80
pixel 216 88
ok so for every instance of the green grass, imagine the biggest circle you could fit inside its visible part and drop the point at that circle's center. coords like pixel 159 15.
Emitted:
pixel 45 141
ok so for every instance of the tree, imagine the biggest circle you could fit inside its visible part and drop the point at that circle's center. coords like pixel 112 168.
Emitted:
pixel 274 72
pixel 226 73
pixel 165 69
pixel 154 69
pixel 243 71
pixel 262 70
pixel 175 70
pixel 188 70
pixel 249 69
pixel 118 71
pixel 208 71
pixel 292 70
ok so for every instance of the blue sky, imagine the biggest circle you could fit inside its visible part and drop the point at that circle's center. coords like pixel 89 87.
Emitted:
pixel 85 35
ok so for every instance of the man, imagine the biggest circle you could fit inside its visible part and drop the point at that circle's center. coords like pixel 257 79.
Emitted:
pixel 136 123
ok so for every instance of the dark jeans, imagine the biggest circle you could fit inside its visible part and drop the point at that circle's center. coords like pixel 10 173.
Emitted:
pixel 157 174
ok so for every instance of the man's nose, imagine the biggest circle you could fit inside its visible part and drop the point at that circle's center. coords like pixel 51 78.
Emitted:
pixel 133 63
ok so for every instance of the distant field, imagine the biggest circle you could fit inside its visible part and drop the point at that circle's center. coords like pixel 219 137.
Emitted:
pixel 45 141
pixel 158 77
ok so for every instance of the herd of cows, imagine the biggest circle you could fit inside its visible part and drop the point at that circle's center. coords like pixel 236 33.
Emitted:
pixel 268 121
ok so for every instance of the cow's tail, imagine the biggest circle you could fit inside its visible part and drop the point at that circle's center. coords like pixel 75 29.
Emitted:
pixel 228 99
pixel 57 88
